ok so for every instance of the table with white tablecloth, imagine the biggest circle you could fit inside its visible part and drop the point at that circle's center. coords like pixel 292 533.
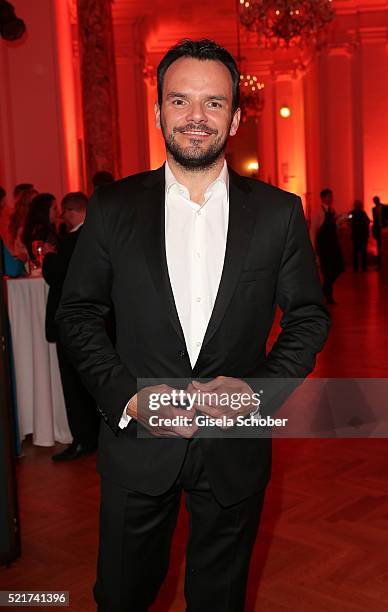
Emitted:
pixel 39 396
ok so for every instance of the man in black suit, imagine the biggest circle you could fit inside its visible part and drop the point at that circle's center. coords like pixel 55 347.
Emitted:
pixel 380 220
pixel 195 259
pixel 82 415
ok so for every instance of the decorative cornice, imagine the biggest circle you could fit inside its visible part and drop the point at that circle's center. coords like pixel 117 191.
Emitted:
pixel 346 7
pixel 373 34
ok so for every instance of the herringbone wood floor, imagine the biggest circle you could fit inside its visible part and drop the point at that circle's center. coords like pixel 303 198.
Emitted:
pixel 323 541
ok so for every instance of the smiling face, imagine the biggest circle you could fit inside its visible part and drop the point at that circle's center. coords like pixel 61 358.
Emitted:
pixel 196 117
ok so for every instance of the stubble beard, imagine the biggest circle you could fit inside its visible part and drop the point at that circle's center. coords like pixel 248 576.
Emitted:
pixel 193 157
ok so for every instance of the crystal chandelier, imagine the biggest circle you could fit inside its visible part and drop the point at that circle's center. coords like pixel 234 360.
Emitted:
pixel 282 23
pixel 251 100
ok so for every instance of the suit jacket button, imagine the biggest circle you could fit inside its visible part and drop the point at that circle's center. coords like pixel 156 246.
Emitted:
pixel 182 354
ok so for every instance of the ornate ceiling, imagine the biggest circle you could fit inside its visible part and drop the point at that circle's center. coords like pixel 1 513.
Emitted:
pixel 148 27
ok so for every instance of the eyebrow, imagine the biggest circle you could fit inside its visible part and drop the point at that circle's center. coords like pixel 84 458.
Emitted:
pixel 177 94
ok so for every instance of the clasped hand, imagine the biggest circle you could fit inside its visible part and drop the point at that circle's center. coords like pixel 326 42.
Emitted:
pixel 223 396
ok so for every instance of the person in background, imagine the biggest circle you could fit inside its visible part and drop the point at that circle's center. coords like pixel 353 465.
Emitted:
pixel 379 221
pixel 40 224
pixel 20 189
pixel 16 222
pixel 12 265
pixel 3 193
pixel 81 409
pixel 359 222
pixel 102 177
pixel 3 207
pixel 328 247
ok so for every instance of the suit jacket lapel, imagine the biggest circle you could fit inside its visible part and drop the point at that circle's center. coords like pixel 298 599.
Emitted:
pixel 240 227
pixel 152 217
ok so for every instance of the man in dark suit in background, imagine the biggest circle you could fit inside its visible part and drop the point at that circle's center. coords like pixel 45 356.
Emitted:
pixel 359 223
pixel 328 246
pixel 195 259
pixel 380 220
pixel 82 415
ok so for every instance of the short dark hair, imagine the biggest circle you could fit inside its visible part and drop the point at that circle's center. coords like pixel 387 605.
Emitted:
pixel 326 192
pixel 203 49
pixel 77 198
pixel 22 187
pixel 102 177
pixel 376 200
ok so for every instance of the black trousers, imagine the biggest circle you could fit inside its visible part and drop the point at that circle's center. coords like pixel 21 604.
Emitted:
pixel 378 242
pixel 327 286
pixel 359 250
pixel 135 537
pixel 82 414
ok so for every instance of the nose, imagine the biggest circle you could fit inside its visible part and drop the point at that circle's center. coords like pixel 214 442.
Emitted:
pixel 196 112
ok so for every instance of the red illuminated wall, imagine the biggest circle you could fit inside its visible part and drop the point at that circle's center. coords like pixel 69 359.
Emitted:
pixel 38 140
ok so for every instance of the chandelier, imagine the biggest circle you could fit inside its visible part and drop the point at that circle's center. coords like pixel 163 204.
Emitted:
pixel 251 101
pixel 282 23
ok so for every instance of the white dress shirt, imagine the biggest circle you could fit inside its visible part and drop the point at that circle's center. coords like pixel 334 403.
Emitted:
pixel 195 250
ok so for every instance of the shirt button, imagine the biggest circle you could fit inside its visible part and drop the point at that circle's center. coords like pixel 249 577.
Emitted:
pixel 198 255
pixel 198 299
pixel 182 353
pixel 198 344
pixel 198 212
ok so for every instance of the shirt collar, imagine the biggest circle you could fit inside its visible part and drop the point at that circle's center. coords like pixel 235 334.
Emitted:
pixel 74 229
pixel 223 177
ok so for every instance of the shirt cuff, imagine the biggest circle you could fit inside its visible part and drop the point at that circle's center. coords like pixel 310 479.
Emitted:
pixel 125 418
pixel 256 412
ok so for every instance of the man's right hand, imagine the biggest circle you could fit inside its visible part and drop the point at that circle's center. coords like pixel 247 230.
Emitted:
pixel 139 409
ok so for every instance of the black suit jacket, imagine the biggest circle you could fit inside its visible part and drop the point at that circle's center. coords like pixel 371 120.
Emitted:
pixel 54 272
pixel 380 219
pixel 121 257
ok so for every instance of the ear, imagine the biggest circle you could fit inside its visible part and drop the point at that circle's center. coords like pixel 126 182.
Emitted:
pixel 235 122
pixel 157 115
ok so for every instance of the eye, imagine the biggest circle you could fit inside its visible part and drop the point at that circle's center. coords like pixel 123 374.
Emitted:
pixel 178 102
pixel 215 104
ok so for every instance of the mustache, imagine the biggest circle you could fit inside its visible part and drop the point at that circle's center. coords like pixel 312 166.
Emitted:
pixel 193 126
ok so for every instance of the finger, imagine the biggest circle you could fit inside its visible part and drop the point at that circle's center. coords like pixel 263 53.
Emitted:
pixel 181 412
pixel 215 412
pixel 216 383
pixel 165 424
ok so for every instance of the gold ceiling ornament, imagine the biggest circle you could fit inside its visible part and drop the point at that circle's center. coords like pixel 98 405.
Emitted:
pixel 286 23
